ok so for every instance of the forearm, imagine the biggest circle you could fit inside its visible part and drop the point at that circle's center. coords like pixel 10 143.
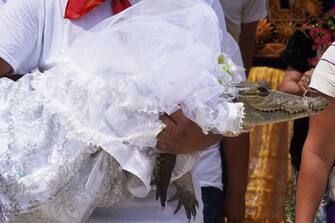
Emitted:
pixel 236 150
pixel 317 159
pixel 291 87
pixel 290 82
pixel 247 43
pixel 313 169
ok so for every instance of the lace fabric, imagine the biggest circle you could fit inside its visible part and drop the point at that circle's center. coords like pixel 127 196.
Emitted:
pixel 44 173
pixel 74 136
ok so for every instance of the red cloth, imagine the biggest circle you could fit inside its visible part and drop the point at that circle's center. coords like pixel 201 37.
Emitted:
pixel 77 8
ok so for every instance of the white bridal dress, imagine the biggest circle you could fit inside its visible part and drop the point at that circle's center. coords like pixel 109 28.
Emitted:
pixel 81 135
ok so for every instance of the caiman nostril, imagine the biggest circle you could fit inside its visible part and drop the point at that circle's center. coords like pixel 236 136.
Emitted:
pixel 276 106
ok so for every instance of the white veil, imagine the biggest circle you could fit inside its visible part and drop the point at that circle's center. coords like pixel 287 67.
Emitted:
pixel 156 56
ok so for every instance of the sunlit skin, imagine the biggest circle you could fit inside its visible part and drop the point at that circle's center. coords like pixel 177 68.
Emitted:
pixel 318 153
pixel 318 156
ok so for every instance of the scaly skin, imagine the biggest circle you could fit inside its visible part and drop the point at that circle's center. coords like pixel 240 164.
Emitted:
pixel 185 195
pixel 185 192
pixel 262 106
pixel 162 175
pixel 265 106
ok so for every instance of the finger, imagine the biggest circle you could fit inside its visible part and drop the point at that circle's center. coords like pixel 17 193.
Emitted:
pixel 179 117
pixel 303 87
pixel 166 148
pixel 307 79
pixel 308 75
pixel 184 126
pixel 301 84
pixel 162 146
pixel 165 118
pixel 164 136
pixel 171 125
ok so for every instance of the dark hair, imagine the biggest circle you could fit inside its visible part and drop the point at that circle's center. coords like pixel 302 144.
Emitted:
pixel 328 5
pixel 284 4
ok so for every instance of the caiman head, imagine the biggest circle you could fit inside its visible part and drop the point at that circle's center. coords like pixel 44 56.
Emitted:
pixel 265 106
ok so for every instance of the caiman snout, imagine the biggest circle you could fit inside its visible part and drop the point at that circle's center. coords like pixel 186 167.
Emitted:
pixel 296 104
pixel 274 106
pixel 318 104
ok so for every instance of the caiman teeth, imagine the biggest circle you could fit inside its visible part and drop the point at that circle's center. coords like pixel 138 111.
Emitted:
pixel 292 112
pixel 270 110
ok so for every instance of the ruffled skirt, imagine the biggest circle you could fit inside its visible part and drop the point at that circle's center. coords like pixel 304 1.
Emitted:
pixel 81 134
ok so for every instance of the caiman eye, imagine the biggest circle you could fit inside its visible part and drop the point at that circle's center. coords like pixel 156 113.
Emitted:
pixel 263 90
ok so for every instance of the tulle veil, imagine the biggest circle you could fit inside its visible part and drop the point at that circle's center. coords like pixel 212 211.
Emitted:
pixel 104 100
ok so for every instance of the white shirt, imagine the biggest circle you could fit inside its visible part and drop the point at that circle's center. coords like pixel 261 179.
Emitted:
pixel 239 12
pixel 33 35
pixel 323 78
pixel 209 168
pixel 37 33
pixel 2 2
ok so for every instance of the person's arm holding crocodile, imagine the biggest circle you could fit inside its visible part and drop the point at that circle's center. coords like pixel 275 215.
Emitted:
pixel 21 39
pixel 236 150
pixel 295 82
pixel 297 56
pixel 181 135
pixel 247 43
pixel 317 158
pixel 318 153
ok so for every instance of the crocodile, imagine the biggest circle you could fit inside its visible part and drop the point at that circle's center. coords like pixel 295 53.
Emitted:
pixel 265 106
pixel 261 106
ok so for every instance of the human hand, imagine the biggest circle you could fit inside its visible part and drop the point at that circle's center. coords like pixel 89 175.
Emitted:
pixel 234 208
pixel 305 80
pixel 181 135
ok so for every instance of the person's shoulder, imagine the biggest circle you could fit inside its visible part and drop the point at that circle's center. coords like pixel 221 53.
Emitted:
pixel 38 3
pixel 46 7
pixel 25 5
pixel 46 3
pixel 323 78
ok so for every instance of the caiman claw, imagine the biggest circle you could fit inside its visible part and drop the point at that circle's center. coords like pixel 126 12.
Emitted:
pixel 185 195
pixel 162 175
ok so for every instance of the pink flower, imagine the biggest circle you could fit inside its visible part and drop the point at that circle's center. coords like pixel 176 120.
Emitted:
pixel 327 35
pixel 320 36
pixel 314 33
